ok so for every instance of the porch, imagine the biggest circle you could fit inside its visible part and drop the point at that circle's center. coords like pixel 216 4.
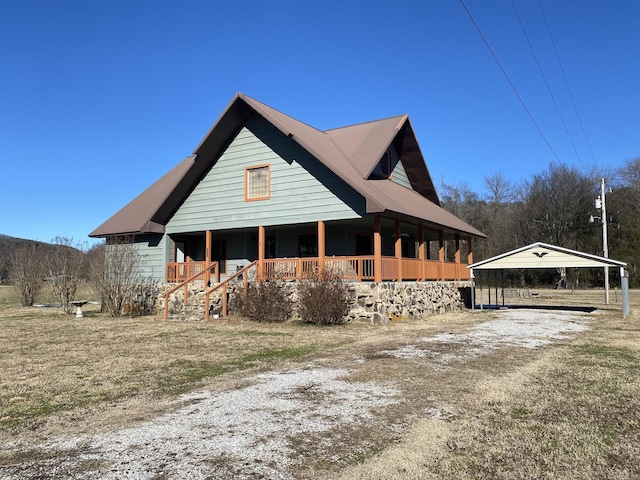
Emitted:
pixel 391 251
pixel 360 269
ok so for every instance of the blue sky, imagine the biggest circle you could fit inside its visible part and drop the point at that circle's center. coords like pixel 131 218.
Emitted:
pixel 98 99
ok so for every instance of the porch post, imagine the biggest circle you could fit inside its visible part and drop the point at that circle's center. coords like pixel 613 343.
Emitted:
pixel 441 253
pixel 421 252
pixel 321 246
pixel 207 256
pixel 469 251
pixel 261 236
pixel 457 257
pixel 398 252
pixel 377 251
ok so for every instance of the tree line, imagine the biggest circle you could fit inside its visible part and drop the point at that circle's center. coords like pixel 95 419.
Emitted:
pixel 554 207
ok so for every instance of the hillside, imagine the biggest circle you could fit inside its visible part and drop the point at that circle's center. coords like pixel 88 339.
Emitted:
pixel 9 244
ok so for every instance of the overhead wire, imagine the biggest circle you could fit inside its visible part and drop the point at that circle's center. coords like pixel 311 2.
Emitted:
pixel 508 79
pixel 544 78
pixel 573 102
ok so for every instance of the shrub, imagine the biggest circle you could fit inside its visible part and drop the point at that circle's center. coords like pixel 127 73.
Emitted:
pixel 265 301
pixel 323 299
pixel 143 299
pixel 27 271
pixel 115 273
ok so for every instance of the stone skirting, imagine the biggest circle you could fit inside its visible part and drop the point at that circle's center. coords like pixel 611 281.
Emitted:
pixel 391 301
pixel 372 302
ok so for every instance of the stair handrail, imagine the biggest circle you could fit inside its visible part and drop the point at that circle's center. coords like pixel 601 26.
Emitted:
pixel 185 284
pixel 223 285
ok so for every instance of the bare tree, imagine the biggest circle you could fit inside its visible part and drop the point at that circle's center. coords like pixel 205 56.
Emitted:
pixel 5 263
pixel 558 205
pixel 27 272
pixel 115 273
pixel 63 266
pixel 499 189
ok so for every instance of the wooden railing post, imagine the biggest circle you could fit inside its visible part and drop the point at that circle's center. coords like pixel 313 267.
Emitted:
pixel 377 251
pixel 261 240
pixel 224 299
pixel 441 254
pixel 398 251
pixel 457 257
pixel 207 257
pixel 321 246
pixel 423 273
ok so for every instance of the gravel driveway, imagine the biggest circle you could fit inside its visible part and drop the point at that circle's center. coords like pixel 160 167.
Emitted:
pixel 250 432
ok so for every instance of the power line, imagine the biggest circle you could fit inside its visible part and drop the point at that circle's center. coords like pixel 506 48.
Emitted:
pixel 553 99
pixel 573 102
pixel 508 79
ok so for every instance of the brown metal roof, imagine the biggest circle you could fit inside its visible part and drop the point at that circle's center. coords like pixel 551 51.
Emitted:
pixel 362 143
pixel 140 215
pixel 350 152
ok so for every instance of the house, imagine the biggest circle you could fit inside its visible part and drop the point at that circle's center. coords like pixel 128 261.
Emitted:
pixel 264 187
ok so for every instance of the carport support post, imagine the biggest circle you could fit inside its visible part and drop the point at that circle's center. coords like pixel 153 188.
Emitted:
pixel 473 289
pixel 624 283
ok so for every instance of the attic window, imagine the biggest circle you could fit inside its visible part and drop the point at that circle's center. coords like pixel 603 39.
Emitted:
pixel 385 165
pixel 257 183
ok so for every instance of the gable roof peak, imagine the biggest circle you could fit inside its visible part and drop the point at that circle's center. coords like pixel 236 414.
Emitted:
pixel 401 119
pixel 253 102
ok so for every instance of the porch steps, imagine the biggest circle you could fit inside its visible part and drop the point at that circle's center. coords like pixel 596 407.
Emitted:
pixel 193 308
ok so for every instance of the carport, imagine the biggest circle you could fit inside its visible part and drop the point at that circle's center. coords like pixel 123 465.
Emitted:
pixel 544 256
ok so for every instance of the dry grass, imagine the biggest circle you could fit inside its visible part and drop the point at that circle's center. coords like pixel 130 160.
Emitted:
pixel 570 410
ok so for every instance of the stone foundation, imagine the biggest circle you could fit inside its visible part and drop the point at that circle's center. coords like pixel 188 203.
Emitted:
pixel 372 302
pixel 392 301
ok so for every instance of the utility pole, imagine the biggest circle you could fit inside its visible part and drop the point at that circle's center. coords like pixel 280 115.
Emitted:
pixel 601 204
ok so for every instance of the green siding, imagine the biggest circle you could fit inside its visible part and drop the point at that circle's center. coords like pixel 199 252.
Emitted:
pixel 302 189
pixel 398 174
pixel 152 250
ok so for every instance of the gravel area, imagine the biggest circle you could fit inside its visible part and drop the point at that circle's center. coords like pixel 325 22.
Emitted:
pixel 511 328
pixel 248 432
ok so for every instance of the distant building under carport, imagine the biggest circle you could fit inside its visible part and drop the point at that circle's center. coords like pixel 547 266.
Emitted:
pixel 544 256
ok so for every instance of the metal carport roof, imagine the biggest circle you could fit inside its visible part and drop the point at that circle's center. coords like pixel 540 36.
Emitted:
pixel 543 255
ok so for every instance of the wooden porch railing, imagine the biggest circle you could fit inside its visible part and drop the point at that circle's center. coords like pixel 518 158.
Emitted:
pixel 204 274
pixel 181 271
pixel 362 268
pixel 223 285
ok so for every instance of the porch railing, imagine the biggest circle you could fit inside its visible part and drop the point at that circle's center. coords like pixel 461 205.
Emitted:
pixel 181 271
pixel 359 269
pixel 222 286
pixel 363 268
pixel 202 274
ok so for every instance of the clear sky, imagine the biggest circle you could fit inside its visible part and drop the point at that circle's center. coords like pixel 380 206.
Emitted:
pixel 98 99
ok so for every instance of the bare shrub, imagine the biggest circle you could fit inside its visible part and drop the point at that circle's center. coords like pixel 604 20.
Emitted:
pixel 115 270
pixel 63 267
pixel 143 299
pixel 323 298
pixel 265 301
pixel 27 272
